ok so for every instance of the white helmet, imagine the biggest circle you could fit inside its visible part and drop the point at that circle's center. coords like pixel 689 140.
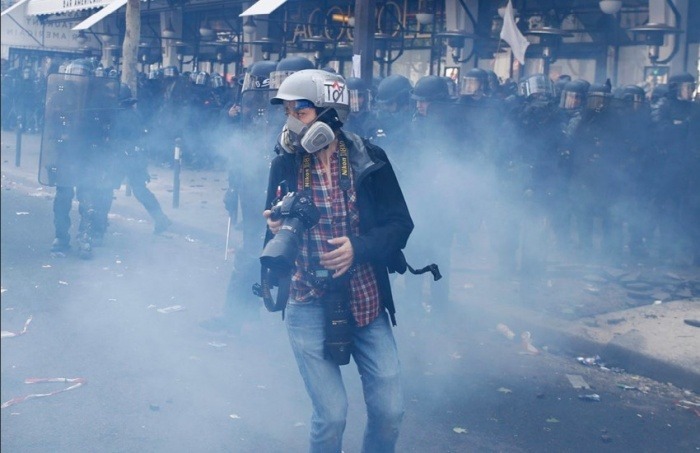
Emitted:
pixel 324 89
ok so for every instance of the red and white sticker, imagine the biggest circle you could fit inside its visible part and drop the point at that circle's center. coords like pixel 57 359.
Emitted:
pixel 76 382
pixel 9 334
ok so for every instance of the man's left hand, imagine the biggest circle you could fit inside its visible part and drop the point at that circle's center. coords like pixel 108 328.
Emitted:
pixel 340 259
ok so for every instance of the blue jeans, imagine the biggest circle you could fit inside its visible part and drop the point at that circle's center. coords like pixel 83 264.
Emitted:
pixel 377 362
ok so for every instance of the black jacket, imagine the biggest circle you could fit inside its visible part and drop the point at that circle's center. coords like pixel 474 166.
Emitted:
pixel 385 223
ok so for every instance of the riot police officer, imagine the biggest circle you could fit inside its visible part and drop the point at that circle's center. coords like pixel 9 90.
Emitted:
pixel 253 129
pixel 360 119
pixel 129 140
pixel 677 124
pixel 428 173
pixel 394 113
pixel 597 166
pixel 75 156
pixel 634 122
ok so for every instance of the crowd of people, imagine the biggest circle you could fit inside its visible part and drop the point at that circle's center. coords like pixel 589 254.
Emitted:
pixel 541 164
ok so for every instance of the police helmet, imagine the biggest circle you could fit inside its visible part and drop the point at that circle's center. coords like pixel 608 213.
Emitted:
pixel 598 97
pixel 559 84
pixel 632 96
pixel 494 84
pixel 573 95
pixel 258 76
pixel 682 86
pixel 430 88
pixel 82 67
pixel 360 94
pixel 394 88
pixel 286 67
pixel 170 72
pixel 536 85
pixel 475 82
pixel 659 92
pixel 216 81
pixel 201 78
pixel 451 87
pixel 155 74
pixel 323 89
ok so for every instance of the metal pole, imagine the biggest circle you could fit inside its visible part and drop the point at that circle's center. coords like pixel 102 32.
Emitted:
pixel 176 172
pixel 364 37
pixel 228 235
pixel 18 141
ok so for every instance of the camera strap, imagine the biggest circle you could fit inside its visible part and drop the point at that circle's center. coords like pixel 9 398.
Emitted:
pixel 344 167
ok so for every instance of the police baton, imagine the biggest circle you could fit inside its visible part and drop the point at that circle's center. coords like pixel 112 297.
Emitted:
pixel 228 235
pixel 176 172
pixel 18 141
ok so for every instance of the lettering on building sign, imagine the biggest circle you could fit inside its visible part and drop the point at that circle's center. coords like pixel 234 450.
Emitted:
pixel 333 22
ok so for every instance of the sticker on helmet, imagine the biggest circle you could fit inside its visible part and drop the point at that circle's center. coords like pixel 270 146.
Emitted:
pixel 335 92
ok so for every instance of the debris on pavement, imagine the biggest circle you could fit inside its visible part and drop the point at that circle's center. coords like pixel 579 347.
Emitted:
pixel 9 334
pixel 170 309
pixel 505 390
pixel 61 282
pixel 692 322
pixel 526 338
pixel 590 397
pixel 591 361
pixel 22 213
pixel 216 344
pixel 577 381
pixel 627 387
pixel 76 382
pixel 505 330
pixel 234 416
pixel 552 420
pixel 459 430
pixel 2 290
pixel 692 406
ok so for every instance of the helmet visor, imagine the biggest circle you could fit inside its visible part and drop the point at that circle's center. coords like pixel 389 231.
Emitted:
pixel 470 86
pixel 685 91
pixel 359 100
pixel 277 77
pixel 251 82
pixel 536 86
pixel 570 100
pixel 596 101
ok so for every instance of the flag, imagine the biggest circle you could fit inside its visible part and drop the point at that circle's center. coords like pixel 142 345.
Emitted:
pixel 510 34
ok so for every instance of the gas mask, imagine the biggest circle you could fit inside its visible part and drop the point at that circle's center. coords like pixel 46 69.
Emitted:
pixel 312 137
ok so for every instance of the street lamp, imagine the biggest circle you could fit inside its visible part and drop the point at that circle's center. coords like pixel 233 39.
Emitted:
pixel 654 34
pixel 456 40
pixel 549 39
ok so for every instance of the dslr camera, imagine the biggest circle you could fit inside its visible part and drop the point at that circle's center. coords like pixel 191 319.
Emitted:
pixel 298 213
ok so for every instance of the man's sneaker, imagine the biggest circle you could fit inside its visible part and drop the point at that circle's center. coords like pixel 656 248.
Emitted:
pixel 60 245
pixel 162 224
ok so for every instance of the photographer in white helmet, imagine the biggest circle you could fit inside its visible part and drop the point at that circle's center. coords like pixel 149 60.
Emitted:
pixel 337 233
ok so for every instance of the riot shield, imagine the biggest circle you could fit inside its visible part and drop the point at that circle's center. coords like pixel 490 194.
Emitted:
pixel 78 112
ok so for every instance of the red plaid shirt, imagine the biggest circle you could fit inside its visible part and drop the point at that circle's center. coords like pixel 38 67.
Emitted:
pixel 329 199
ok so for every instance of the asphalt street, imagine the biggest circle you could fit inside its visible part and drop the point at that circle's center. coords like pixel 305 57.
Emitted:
pixel 127 323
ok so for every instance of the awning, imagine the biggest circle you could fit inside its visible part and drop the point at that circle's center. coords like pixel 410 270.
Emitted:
pixel 263 7
pixel 13 7
pixel 46 7
pixel 101 14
